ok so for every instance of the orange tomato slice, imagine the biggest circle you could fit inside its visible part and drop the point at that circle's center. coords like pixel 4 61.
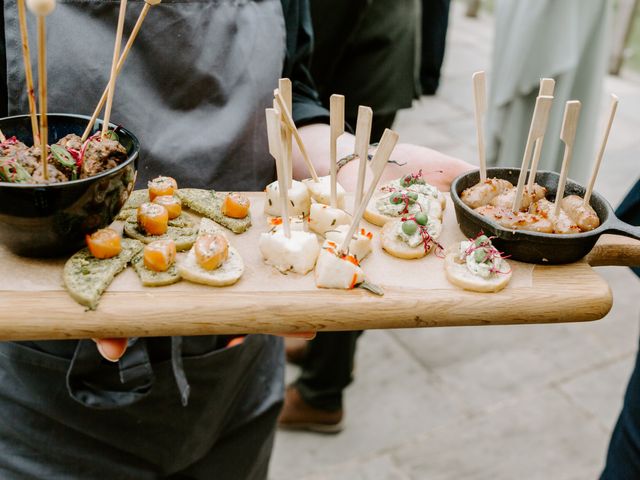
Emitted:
pixel 235 205
pixel 211 250
pixel 104 243
pixel 171 203
pixel 160 255
pixel 161 186
pixel 153 218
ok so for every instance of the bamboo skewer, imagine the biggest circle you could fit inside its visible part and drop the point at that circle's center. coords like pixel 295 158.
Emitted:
pixel 123 57
pixel 42 87
pixel 363 136
pixel 28 73
pixel 275 149
pixel 568 136
pixel 596 167
pixel 336 118
pixel 547 86
pixel 285 89
pixel 480 97
pixel 379 161
pixel 114 63
pixel 42 8
pixel 2 137
pixel 288 120
pixel 538 121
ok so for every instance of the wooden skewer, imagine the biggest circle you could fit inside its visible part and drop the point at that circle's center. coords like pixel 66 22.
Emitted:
pixel 480 97
pixel 123 57
pixel 288 120
pixel 568 136
pixel 28 73
pixel 363 136
pixel 42 8
pixel 285 88
pixel 336 118
pixel 2 137
pixel 379 161
pixel 538 121
pixel 547 86
pixel 596 167
pixel 114 63
pixel 275 149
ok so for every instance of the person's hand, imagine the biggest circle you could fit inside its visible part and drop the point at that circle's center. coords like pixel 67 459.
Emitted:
pixel 437 168
pixel 113 349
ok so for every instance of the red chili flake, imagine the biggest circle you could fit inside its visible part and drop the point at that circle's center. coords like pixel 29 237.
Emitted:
pixel 353 281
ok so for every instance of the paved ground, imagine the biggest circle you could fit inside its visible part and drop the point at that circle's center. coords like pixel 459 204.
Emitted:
pixel 525 402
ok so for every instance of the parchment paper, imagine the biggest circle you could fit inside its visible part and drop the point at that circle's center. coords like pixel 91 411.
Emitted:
pixel 25 274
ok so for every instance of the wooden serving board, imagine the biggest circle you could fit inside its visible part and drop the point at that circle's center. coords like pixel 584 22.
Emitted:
pixel 34 305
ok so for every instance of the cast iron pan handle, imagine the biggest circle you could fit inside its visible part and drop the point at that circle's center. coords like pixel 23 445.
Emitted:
pixel 612 250
pixel 619 227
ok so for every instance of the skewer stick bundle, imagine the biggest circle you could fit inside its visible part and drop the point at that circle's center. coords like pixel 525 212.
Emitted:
pixel 596 167
pixel 123 57
pixel 379 161
pixel 336 118
pixel 114 64
pixel 42 8
pixel 547 86
pixel 28 73
pixel 568 136
pixel 363 136
pixel 275 149
pixel 536 130
pixel 480 100
pixel 288 120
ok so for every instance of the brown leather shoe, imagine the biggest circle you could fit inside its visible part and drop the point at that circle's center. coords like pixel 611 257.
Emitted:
pixel 299 415
pixel 296 350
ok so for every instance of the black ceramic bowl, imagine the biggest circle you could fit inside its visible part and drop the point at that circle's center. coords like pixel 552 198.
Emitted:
pixel 52 220
pixel 533 247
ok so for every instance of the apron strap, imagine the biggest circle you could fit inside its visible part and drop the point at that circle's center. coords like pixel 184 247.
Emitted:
pixel 178 370
pixel 96 383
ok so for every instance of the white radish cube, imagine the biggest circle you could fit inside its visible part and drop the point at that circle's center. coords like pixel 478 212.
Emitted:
pixel 320 191
pixel 333 271
pixel 297 253
pixel 360 245
pixel 324 218
pixel 298 198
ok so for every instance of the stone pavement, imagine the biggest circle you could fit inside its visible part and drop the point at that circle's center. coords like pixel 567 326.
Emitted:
pixel 515 402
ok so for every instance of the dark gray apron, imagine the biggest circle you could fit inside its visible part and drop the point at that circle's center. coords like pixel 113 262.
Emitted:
pixel 194 91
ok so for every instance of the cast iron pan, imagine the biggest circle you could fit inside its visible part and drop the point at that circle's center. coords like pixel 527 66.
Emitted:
pixel 533 247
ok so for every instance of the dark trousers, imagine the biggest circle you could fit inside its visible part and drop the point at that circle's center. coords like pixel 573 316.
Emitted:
pixel 327 369
pixel 435 20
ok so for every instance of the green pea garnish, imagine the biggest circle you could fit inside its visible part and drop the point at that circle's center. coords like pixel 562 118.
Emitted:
pixel 482 239
pixel 396 198
pixel 409 227
pixel 480 255
pixel 421 218
pixel 413 196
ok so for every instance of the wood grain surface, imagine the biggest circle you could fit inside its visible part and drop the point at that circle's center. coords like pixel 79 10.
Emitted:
pixel 568 293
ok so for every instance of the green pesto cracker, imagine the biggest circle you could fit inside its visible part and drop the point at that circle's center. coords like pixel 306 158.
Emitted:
pixel 87 277
pixel 209 204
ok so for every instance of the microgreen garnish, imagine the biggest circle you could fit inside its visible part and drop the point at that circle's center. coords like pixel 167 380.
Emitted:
pixel 484 252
